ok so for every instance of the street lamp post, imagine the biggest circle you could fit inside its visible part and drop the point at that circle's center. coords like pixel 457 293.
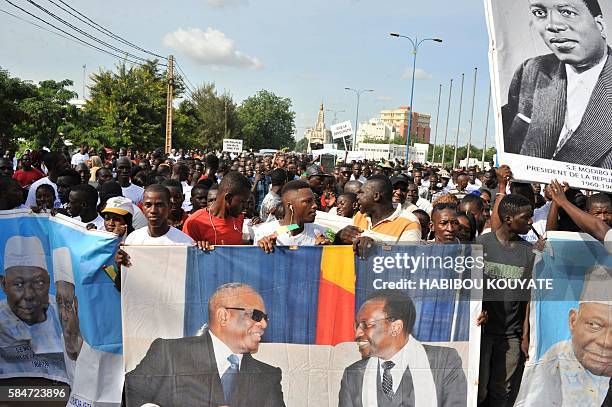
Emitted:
pixel 358 92
pixel 415 48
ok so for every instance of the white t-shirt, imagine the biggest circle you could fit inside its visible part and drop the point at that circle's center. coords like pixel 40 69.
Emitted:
pixel 306 238
pixel 172 237
pixel 608 241
pixel 79 158
pixel 134 193
pixel 138 220
pixel 98 222
pixel 540 216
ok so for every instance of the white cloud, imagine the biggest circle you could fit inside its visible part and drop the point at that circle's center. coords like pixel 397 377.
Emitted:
pixel 225 3
pixel 210 47
pixel 420 74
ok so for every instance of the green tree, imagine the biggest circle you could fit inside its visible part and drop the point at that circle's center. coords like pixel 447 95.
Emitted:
pixel 208 118
pixel 267 121
pixel 48 114
pixel 302 145
pixel 12 92
pixel 127 108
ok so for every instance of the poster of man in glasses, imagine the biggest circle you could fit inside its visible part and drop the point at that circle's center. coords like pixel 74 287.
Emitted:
pixel 552 84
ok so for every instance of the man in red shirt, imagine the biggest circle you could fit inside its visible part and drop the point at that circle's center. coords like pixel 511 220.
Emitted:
pixel 221 224
pixel 27 174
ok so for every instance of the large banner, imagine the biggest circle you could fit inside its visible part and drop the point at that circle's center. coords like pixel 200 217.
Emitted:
pixel 294 327
pixel 570 360
pixel 551 75
pixel 60 313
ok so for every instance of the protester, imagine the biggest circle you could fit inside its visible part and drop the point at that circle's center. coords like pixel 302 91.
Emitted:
pixel 278 178
pixel 6 168
pixel 377 219
pixel 347 205
pixel 124 174
pixel 118 213
pixel 113 189
pixel 84 172
pixel 444 223
pixel 156 208
pixel 55 163
pixel 177 216
pixel 199 193
pixel 80 157
pixel 65 181
pixel 82 205
pixel 11 195
pixel 300 209
pixel 505 335
pixel 45 197
pixel 221 222
pixel 424 221
pixel 103 175
pixel 27 174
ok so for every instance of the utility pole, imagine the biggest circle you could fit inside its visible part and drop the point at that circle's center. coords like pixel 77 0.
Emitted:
pixel 84 79
pixel 450 95
pixel 484 148
pixel 169 96
pixel 433 152
pixel 458 122
pixel 225 130
pixel 469 146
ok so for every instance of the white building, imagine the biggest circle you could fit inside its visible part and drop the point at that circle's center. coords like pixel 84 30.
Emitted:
pixel 380 151
pixel 375 129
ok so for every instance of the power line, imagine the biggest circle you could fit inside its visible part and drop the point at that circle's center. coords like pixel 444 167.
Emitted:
pixel 184 75
pixel 72 37
pixel 86 33
pixel 80 16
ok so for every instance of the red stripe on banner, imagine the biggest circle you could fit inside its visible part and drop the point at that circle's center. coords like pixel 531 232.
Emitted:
pixel 335 315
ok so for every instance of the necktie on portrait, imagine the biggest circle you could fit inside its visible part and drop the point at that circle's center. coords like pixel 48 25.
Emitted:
pixel 387 379
pixel 229 378
pixel 608 400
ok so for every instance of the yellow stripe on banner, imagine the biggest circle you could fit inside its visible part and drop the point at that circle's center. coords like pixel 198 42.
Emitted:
pixel 338 266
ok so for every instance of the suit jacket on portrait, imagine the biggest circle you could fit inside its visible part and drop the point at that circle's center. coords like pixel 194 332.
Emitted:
pixel 535 114
pixel 183 372
pixel 448 376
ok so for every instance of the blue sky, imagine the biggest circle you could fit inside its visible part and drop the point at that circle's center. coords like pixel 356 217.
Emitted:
pixel 308 51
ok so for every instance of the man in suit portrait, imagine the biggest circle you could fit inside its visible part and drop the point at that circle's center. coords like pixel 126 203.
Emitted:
pixel 214 368
pixel 560 104
pixel 397 370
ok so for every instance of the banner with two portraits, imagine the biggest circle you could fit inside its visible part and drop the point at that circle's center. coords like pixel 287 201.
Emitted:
pixel 60 315
pixel 305 326
pixel 551 70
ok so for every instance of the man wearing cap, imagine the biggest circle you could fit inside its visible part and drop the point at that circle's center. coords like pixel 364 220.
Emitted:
pixel 30 333
pixel 316 178
pixel 577 372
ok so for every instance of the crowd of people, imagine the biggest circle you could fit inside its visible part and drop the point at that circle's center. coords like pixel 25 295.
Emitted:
pixel 287 199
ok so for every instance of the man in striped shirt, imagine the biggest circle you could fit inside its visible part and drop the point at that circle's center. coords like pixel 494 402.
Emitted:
pixel 378 220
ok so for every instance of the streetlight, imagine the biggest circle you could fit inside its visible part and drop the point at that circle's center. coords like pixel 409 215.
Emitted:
pixel 358 92
pixel 415 48
pixel 335 112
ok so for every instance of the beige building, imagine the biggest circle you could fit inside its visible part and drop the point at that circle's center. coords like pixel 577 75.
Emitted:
pixel 375 129
pixel 399 119
pixel 318 135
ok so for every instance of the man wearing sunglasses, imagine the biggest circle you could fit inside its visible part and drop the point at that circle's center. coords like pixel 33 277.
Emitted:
pixel 396 369
pixel 214 368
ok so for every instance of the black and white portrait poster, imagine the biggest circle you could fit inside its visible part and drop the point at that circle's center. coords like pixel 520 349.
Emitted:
pixel 551 70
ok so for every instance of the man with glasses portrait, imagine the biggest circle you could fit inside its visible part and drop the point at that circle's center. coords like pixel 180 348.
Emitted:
pixel 215 367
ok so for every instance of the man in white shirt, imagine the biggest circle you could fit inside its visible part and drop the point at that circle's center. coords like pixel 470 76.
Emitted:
pixel 156 207
pixel 82 205
pixel 357 171
pixel 80 157
pixel 297 227
pixel 558 104
pixel 130 191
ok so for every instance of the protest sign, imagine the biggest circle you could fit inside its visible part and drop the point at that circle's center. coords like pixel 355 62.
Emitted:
pixel 303 312
pixel 549 124
pixel 60 312
pixel 570 350
pixel 342 130
pixel 232 145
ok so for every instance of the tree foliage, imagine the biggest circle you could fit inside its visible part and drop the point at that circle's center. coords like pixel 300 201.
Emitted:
pixel 266 121
pixel 202 120
pixel 38 114
pixel 126 108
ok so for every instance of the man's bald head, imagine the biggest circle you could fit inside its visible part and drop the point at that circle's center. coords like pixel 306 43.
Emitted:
pixel 352 187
